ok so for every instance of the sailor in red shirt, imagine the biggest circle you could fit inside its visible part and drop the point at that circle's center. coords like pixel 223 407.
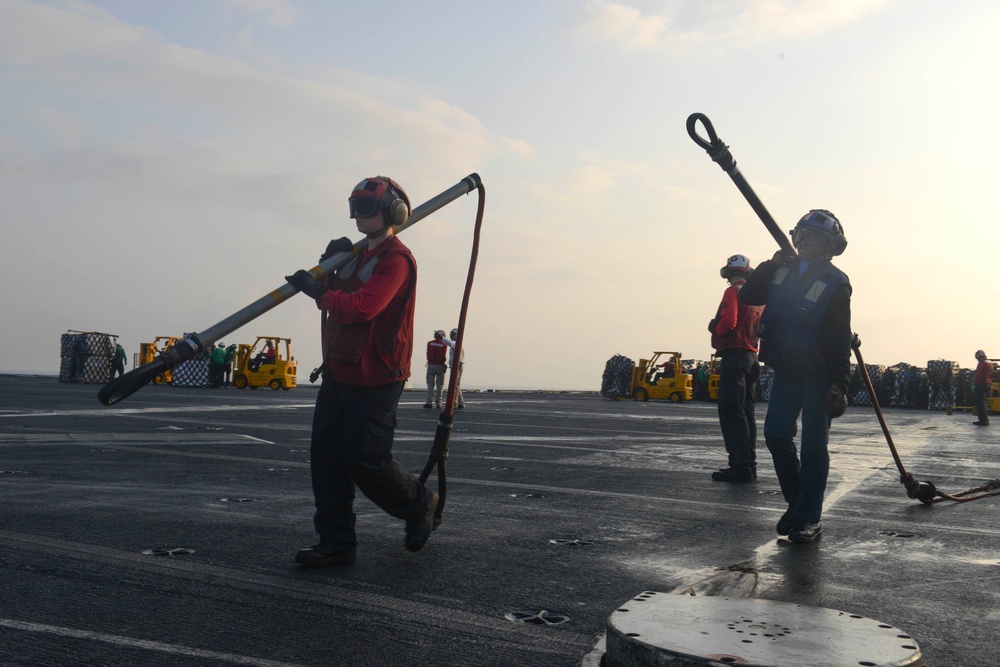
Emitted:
pixel 734 337
pixel 982 381
pixel 367 344
pixel 437 362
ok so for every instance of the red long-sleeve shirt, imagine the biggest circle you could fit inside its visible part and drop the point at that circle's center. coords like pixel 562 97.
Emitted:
pixel 368 325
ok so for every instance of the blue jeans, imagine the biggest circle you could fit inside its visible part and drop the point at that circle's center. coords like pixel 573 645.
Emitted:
pixel 352 436
pixel 803 483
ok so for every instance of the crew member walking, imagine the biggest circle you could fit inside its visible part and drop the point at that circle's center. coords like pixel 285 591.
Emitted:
pixel 805 336
pixel 734 337
pixel 367 346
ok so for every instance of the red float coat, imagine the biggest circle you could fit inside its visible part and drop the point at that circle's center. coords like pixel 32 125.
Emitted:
pixel 368 316
pixel 983 373
pixel 437 352
pixel 736 323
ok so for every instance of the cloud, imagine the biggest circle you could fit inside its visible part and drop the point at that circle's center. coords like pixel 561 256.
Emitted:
pixel 683 23
pixel 279 12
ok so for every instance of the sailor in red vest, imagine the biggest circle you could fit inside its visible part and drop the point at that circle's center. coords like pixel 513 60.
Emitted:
pixel 734 337
pixel 367 345
pixel 437 360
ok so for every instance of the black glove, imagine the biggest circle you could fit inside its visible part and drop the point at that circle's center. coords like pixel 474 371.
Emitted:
pixel 712 324
pixel 306 283
pixel 343 244
pixel 782 256
pixel 836 402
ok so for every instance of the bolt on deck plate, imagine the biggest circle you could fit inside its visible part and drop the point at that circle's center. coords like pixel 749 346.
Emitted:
pixel 655 628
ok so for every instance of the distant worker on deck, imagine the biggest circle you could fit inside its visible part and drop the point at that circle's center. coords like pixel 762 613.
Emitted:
pixel 437 363
pixel 216 365
pixel 450 342
pixel 734 337
pixel 119 361
pixel 805 336
pixel 230 354
pixel 981 382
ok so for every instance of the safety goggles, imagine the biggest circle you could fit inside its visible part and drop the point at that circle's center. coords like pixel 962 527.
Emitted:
pixel 364 207
pixel 809 236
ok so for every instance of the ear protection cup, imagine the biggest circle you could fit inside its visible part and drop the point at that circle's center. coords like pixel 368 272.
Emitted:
pixel 395 203
pixel 838 242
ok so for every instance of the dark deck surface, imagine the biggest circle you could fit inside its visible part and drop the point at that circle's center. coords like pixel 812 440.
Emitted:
pixel 563 502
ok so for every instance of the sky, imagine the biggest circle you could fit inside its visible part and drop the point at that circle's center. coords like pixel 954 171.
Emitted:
pixel 164 164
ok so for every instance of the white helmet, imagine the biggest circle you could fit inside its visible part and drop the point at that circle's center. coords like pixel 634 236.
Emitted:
pixel 454 332
pixel 736 264
pixel 439 333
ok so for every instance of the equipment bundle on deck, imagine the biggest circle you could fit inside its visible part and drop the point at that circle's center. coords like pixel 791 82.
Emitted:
pixel 86 357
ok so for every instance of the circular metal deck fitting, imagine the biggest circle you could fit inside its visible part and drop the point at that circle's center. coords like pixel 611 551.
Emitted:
pixel 684 631
pixel 537 617
pixel 168 551
pixel 576 542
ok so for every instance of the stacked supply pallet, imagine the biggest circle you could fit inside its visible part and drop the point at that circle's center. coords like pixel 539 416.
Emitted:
pixel 191 373
pixel 908 388
pixel 617 379
pixel 858 390
pixel 85 357
pixel 940 381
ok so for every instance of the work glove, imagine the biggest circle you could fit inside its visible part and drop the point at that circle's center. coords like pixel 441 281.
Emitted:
pixel 782 256
pixel 306 283
pixel 712 324
pixel 836 401
pixel 343 244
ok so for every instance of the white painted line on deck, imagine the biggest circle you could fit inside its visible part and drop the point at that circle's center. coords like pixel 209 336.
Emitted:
pixel 145 644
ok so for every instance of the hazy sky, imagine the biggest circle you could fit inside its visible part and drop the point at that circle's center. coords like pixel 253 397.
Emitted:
pixel 164 164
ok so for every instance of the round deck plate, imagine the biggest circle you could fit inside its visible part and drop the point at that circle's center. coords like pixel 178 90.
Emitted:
pixel 740 631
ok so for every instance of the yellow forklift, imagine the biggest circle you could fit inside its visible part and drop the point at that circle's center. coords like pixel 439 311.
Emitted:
pixel 713 377
pixel 255 367
pixel 149 351
pixel 671 383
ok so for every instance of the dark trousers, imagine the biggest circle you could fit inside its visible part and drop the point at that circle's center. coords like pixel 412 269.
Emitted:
pixel 803 483
pixel 981 392
pixel 215 372
pixel 352 435
pixel 117 367
pixel 738 376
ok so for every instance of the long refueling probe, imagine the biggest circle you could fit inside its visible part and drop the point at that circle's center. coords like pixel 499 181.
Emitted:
pixel 925 492
pixel 194 344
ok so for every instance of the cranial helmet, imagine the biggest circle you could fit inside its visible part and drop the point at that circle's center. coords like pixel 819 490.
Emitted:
pixel 380 193
pixel 454 332
pixel 819 227
pixel 980 354
pixel 736 264
pixel 439 333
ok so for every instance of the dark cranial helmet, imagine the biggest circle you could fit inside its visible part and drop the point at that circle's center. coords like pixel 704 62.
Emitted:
pixel 820 232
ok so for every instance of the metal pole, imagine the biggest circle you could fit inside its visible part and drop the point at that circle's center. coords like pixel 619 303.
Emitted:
pixel 719 152
pixel 192 345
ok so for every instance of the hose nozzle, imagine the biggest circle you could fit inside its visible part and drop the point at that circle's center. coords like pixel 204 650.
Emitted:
pixel 925 492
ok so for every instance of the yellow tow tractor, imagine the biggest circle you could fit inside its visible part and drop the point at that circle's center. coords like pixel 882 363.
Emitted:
pixel 713 377
pixel 254 366
pixel 149 351
pixel 651 380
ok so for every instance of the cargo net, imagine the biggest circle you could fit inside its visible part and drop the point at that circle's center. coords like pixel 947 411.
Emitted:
pixel 617 379
pixel 764 384
pixel 86 356
pixel 191 373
